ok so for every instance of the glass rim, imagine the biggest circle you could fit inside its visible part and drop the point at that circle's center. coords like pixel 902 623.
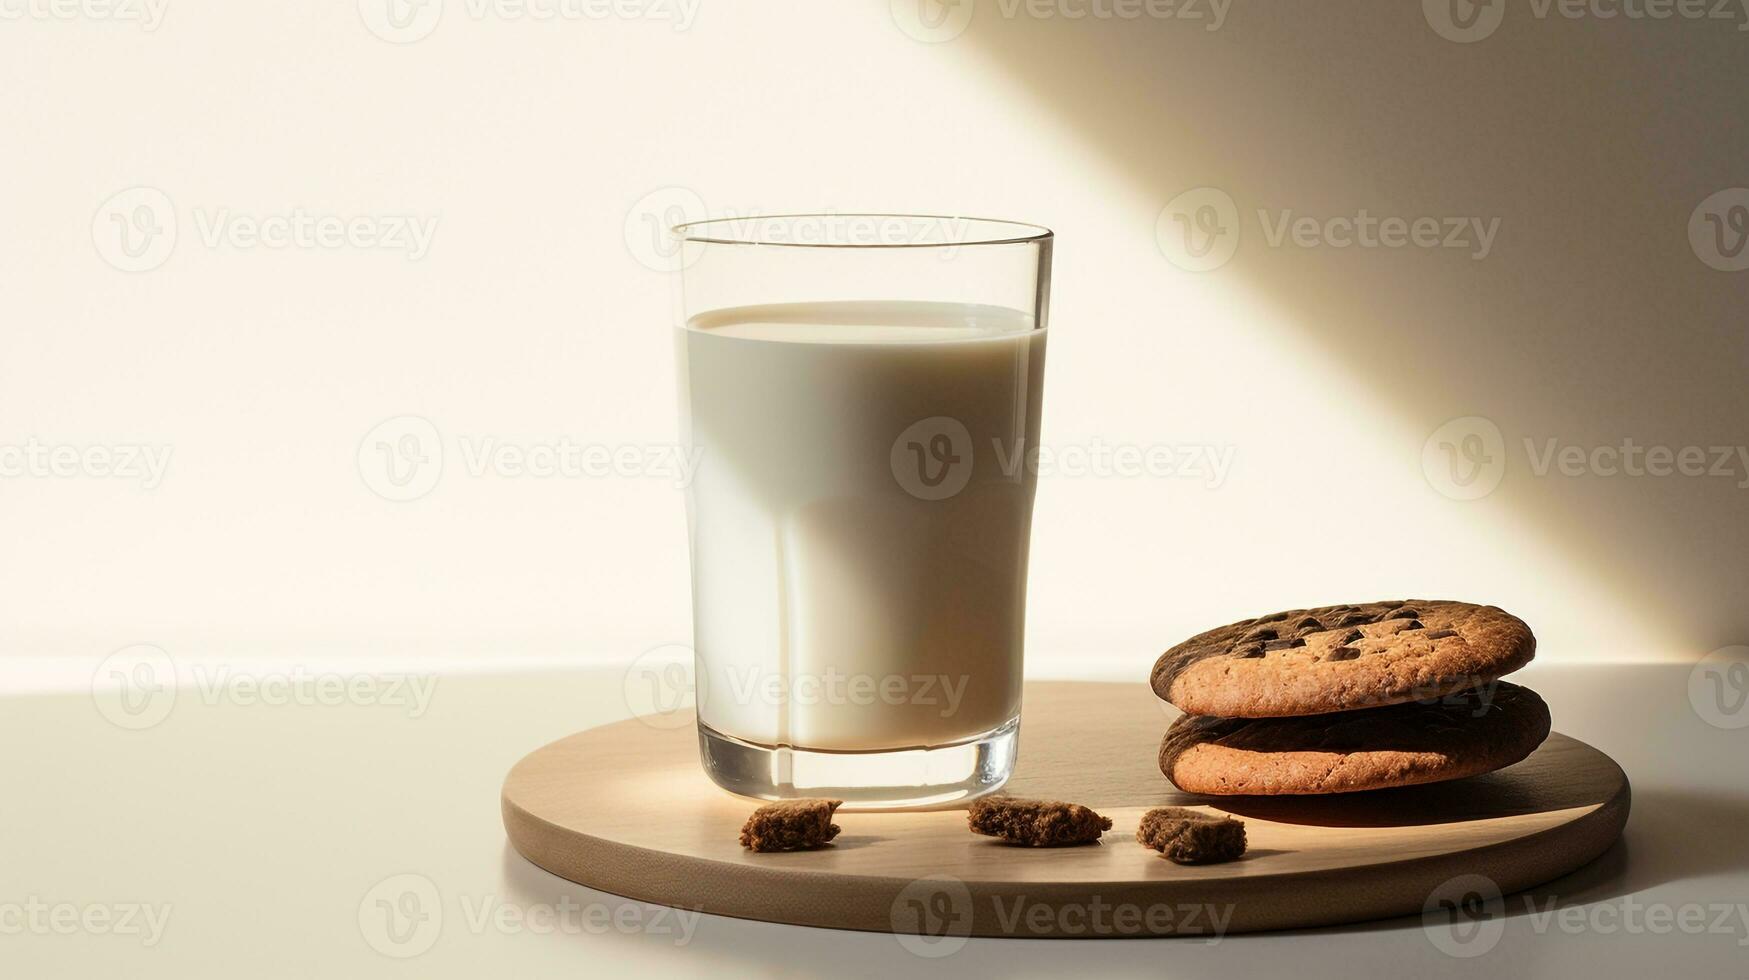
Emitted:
pixel 1010 233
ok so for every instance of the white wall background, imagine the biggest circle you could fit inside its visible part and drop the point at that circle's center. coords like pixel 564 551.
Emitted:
pixel 541 148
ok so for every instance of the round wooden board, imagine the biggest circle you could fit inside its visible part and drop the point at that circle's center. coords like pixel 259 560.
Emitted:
pixel 626 809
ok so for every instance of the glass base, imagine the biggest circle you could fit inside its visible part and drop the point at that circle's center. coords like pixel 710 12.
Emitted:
pixel 907 779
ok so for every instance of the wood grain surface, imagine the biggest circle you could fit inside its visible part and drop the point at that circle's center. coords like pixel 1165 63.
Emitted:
pixel 626 809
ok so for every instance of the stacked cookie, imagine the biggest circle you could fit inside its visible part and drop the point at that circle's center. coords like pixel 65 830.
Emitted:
pixel 1345 698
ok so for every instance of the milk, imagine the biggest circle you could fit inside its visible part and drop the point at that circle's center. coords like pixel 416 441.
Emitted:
pixel 858 558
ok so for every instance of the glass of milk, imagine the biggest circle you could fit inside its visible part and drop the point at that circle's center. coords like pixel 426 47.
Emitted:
pixel 863 395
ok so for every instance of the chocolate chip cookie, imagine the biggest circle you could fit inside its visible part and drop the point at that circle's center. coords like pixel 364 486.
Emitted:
pixel 1463 734
pixel 1338 658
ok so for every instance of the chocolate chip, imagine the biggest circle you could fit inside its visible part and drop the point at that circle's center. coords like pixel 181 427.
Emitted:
pixel 1403 614
pixel 1274 645
pixel 1273 618
pixel 1351 636
pixel 1343 653
pixel 1262 633
pixel 1309 623
pixel 1248 651
pixel 1354 619
pixel 1414 624
pixel 1441 634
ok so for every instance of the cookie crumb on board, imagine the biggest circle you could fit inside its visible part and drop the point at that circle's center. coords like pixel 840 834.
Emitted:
pixel 1191 837
pixel 1036 823
pixel 791 825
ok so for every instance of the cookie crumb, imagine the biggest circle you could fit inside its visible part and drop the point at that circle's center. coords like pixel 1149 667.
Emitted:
pixel 791 825
pixel 1191 837
pixel 1036 823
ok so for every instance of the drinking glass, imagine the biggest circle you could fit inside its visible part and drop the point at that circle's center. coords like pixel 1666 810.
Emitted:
pixel 863 394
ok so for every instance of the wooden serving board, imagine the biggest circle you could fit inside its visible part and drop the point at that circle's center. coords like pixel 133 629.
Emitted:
pixel 626 809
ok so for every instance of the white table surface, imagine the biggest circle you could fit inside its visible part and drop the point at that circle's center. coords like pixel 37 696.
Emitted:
pixel 256 832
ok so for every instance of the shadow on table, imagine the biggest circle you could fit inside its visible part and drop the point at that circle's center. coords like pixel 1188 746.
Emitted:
pixel 1673 836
